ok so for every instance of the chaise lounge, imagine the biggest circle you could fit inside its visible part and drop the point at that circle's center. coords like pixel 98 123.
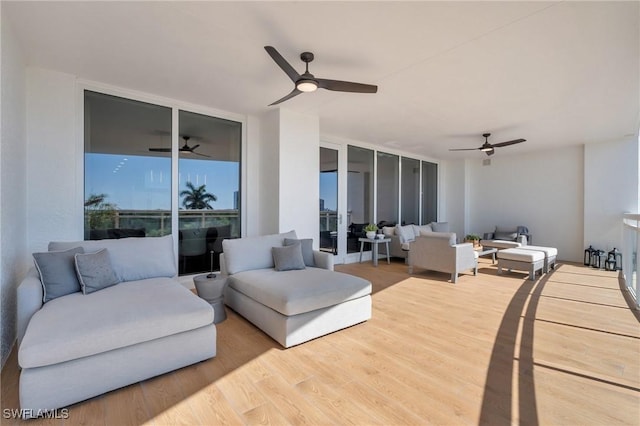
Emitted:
pixel 75 346
pixel 290 291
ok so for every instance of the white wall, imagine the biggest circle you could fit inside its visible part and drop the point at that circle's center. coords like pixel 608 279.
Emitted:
pixel 13 182
pixel 268 200
pixel 54 152
pixel 453 196
pixel 299 178
pixel 541 190
pixel 611 189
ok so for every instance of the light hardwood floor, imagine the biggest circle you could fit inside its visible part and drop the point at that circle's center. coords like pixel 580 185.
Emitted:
pixel 491 350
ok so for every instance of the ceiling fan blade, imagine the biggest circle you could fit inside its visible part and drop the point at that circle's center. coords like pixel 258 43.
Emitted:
pixel 294 92
pixel 465 149
pixel 160 149
pixel 346 86
pixel 513 142
pixel 282 63
pixel 194 147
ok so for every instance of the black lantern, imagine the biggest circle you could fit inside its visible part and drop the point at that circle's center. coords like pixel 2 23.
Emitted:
pixel 614 260
pixel 587 256
pixel 597 259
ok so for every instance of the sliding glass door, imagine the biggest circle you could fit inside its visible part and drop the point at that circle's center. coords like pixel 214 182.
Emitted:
pixel 129 176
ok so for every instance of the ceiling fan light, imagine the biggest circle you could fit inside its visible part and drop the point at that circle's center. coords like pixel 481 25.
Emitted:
pixel 307 85
pixel 486 149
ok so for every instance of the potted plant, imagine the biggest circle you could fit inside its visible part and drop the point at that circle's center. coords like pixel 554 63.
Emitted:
pixel 371 230
pixel 472 238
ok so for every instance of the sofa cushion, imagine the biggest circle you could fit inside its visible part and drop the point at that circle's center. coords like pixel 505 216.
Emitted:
pixel 307 249
pixel 95 271
pixel 296 292
pixel 288 258
pixel 57 272
pixel 132 258
pixel 406 233
pixel 509 234
pixel 389 231
pixel 244 254
pixel 77 326
pixel 440 226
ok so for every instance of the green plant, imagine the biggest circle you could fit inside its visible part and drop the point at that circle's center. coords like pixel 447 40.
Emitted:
pixel 472 237
pixel 98 213
pixel 197 198
pixel 370 228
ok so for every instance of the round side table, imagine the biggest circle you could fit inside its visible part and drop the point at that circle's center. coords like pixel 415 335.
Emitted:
pixel 210 289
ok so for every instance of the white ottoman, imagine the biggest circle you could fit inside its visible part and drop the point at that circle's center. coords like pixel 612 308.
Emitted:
pixel 550 254
pixel 521 260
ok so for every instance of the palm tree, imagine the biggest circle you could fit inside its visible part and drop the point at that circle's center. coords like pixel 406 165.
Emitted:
pixel 197 198
pixel 98 212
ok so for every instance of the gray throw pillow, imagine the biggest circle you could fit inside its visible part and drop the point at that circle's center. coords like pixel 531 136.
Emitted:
pixel 57 272
pixel 307 249
pixel 95 271
pixel 288 258
pixel 406 233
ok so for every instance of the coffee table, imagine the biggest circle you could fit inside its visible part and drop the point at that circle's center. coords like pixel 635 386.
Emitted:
pixel 490 251
pixel 374 250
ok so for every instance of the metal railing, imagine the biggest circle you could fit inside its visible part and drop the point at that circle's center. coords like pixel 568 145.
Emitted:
pixel 158 222
pixel 631 241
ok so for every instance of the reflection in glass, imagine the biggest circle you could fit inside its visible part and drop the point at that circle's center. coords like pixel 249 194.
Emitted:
pixel 388 180
pixel 328 200
pixel 410 191
pixel 429 192
pixel 127 189
pixel 209 189
pixel 359 194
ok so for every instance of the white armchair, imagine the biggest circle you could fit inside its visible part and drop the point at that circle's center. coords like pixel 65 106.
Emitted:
pixel 438 251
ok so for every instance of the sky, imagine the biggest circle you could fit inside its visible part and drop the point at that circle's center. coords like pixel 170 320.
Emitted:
pixel 329 190
pixel 144 182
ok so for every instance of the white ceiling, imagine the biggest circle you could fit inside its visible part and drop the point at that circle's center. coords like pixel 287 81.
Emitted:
pixel 554 73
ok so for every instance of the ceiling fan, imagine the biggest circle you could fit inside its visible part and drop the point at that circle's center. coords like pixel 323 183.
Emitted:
pixel 487 147
pixel 183 148
pixel 308 83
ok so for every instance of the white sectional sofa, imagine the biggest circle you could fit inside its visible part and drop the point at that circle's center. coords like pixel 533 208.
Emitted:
pixel 296 305
pixel 76 346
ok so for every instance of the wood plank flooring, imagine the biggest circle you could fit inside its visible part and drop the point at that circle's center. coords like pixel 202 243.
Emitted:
pixel 492 350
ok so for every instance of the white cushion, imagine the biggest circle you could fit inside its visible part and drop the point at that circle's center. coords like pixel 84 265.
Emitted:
pixel 77 325
pixel 499 244
pixel 299 291
pixel 132 258
pixel 406 233
pixel 389 231
pixel 548 251
pixel 245 254
pixel 521 255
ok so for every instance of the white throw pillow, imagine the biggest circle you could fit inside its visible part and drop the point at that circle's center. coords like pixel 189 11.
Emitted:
pixel 405 233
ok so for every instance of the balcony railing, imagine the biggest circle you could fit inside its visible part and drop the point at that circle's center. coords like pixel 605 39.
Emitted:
pixel 631 241
pixel 158 222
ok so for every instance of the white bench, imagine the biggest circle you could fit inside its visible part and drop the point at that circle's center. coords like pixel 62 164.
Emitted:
pixel 521 260
pixel 550 254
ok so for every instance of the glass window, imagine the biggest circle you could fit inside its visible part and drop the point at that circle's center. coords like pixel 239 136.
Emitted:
pixel 359 194
pixel 328 200
pixel 387 188
pixel 429 192
pixel 128 177
pixel 127 187
pixel 209 189
pixel 410 191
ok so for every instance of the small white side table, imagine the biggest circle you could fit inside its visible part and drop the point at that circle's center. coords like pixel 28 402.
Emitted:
pixel 210 289
pixel 374 250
